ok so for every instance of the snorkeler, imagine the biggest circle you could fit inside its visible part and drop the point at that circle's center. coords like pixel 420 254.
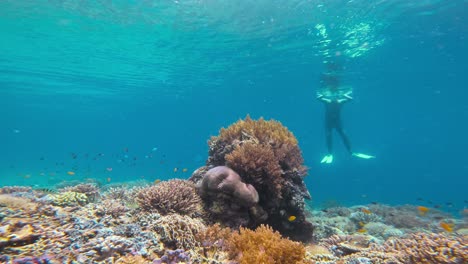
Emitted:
pixel 333 96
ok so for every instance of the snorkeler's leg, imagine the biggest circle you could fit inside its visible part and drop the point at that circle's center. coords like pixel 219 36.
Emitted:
pixel 345 139
pixel 348 145
pixel 328 134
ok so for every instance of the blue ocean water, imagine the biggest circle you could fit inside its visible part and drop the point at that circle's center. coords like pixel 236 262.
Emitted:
pixel 130 90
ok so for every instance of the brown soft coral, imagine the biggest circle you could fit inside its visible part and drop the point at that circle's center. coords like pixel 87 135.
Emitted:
pixel 271 134
pixel 263 246
pixel 259 166
pixel 174 196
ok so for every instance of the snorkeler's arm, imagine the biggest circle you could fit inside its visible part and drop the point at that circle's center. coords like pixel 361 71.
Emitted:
pixel 322 98
pixel 346 97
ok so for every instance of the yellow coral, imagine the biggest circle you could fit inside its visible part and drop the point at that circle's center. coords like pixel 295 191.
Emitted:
pixel 264 246
pixel 70 199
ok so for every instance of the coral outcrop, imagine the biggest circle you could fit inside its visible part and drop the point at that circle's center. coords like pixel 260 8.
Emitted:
pixel 265 155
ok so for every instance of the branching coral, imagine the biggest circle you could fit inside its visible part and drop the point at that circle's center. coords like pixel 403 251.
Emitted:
pixel 174 196
pixel 263 246
pixel 179 231
pixel 111 207
pixel 430 248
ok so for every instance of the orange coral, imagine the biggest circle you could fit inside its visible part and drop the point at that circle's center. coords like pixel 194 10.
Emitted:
pixel 263 246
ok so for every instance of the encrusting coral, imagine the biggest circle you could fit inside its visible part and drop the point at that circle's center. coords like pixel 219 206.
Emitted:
pixel 266 155
pixel 173 196
pixel 264 245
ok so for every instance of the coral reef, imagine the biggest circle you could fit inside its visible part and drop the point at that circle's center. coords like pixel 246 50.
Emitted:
pixel 89 189
pixel 429 248
pixel 266 155
pixel 35 230
pixel 263 246
pixel 224 180
pixel 70 199
pixel 17 233
pixel 14 189
pixel 173 256
pixel 174 196
pixel 229 199
pixel 179 231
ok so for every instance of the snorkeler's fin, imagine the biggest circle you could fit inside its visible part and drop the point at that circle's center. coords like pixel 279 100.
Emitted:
pixel 363 156
pixel 327 159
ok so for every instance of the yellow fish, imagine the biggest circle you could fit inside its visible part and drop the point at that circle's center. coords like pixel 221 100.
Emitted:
pixel 157 181
pixel 422 210
pixel 291 218
pixel 446 226
pixel 70 172
pixel 366 211
pixel 184 170
pixel 361 230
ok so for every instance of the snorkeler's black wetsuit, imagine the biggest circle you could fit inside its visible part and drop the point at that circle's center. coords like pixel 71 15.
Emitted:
pixel 333 121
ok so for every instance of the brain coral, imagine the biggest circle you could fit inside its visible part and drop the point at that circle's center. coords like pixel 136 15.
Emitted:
pixel 267 156
pixel 174 196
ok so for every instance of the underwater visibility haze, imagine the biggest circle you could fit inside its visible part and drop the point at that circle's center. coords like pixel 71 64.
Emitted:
pixel 130 92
